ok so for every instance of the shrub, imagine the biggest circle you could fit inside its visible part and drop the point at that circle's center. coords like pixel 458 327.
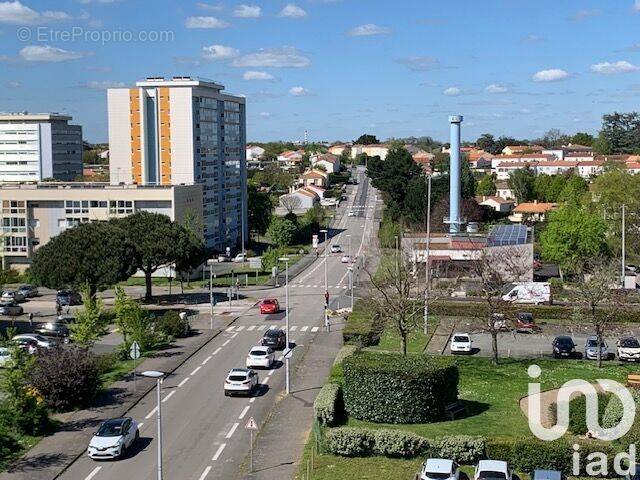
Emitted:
pixel 106 362
pixel 591 446
pixel 528 455
pixel 578 412
pixel 67 377
pixel 362 328
pixel 614 410
pixel 349 441
pixel 390 388
pixel 344 352
pixel 171 325
pixel 9 445
pixel 328 406
pixel 499 449
pixel 461 448
pixel 399 444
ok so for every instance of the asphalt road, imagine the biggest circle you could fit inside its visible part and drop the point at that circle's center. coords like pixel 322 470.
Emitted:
pixel 203 431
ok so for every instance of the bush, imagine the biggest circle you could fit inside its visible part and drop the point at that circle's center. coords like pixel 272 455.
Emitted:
pixel 399 444
pixel 390 388
pixel 591 446
pixel 9 445
pixel 499 449
pixel 328 406
pixel 614 410
pixel 349 441
pixel 578 412
pixel 106 362
pixel 67 377
pixel 528 455
pixel 171 325
pixel 461 448
pixel 362 329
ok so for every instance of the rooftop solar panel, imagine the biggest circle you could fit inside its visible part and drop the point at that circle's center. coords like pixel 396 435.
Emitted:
pixel 502 235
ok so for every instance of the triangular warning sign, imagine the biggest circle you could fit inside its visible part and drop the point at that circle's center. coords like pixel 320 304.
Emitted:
pixel 251 424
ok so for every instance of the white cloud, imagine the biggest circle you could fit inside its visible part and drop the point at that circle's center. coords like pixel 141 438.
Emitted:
pixel 98 1
pixel 18 14
pixel 247 11
pixel 495 88
pixel 584 14
pixel 14 84
pixel 47 53
pixel 286 57
pixel 299 92
pixel 102 84
pixel 219 52
pixel 254 75
pixel 636 6
pixel 420 63
pixel 531 38
pixel 264 114
pixel 217 7
pixel 368 29
pixel 204 22
pixel 452 92
pixel 608 68
pixel 551 75
pixel 292 11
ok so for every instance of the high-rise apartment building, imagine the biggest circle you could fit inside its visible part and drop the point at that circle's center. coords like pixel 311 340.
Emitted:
pixel 38 146
pixel 184 130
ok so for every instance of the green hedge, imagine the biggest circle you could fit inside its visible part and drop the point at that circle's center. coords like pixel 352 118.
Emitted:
pixel 461 448
pixel 349 441
pixel 328 406
pixel 389 388
pixel 578 412
pixel 361 327
pixel 362 442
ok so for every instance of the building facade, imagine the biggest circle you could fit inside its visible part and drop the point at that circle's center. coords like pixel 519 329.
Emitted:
pixel 31 214
pixel 34 147
pixel 184 130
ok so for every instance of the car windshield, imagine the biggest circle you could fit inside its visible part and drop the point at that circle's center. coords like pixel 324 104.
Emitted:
pixel 269 302
pixel 592 343
pixel 460 338
pixel 564 341
pixel 258 353
pixel 629 343
pixel 40 338
pixel 272 333
pixel 491 475
pixel 437 475
pixel 237 378
pixel 110 429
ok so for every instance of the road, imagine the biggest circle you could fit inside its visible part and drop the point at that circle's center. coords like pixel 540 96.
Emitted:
pixel 203 431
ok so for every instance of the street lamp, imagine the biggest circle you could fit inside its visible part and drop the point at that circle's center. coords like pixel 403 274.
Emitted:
pixel 286 309
pixel 351 284
pixel 210 264
pixel 326 287
pixel 349 237
pixel 158 376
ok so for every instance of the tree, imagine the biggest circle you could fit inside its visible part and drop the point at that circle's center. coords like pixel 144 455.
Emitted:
pixel 467 180
pixel 582 138
pixel 88 325
pixel 521 182
pixel 393 175
pixel 574 190
pixel 156 242
pixel 134 322
pixel 469 209
pixel 259 210
pixel 191 246
pixel 282 232
pixel 486 185
pixel 487 142
pixel 96 254
pixel 290 203
pixel 621 132
pixel 554 138
pixel 366 139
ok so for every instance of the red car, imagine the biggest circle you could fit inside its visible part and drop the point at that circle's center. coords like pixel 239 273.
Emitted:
pixel 269 305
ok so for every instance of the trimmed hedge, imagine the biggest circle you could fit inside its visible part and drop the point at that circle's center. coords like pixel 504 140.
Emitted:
pixel 390 388
pixel 461 448
pixel 578 412
pixel 362 442
pixel 328 406
pixel 349 441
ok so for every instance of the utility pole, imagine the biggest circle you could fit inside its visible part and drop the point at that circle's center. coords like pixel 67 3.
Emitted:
pixel 427 267
pixel 326 279
pixel 210 264
pixel 286 308
pixel 624 261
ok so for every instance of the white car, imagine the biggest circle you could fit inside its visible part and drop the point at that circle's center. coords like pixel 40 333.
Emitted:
pixel 629 349
pixel 13 295
pixel 240 258
pixel 346 259
pixel 240 381
pixel 113 438
pixel 439 469
pixel 260 357
pixel 492 470
pixel 352 213
pixel 461 343
pixel 43 342
pixel 336 249
pixel 5 357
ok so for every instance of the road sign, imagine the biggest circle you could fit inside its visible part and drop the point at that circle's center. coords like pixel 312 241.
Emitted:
pixel 315 241
pixel 251 424
pixel 287 353
pixel 134 351
pixel 255 262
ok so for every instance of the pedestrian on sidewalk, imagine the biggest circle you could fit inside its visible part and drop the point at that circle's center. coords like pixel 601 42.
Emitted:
pixel 58 308
pixel 31 320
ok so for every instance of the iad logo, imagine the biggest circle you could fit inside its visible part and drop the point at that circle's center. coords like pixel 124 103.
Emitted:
pixel 562 402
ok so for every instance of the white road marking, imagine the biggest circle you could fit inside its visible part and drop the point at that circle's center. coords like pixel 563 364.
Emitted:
pixel 251 328
pixel 266 380
pixel 204 362
pixel 240 328
pixel 219 452
pixel 304 329
pixel 261 327
pixel 216 351
pixel 234 335
pixel 205 473
pixel 233 429
pixel 151 413
pixel 273 327
pixel 93 473
pixel 253 399
pixel 244 412
pixel 195 370
pixel 316 286
pixel 293 328
pixel 168 396
pixel 230 329
pixel 140 425
pixel 271 372
pixel 183 382
pixel 226 343
pixel 280 358
pixel 315 329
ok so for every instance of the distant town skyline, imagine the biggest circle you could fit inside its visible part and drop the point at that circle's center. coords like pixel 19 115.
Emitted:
pixel 336 68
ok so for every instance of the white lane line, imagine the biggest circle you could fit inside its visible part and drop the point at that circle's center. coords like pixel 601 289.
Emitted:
pixel 266 380
pixel 273 327
pixel 140 425
pixel 234 335
pixel 216 351
pixel 205 473
pixel 233 429
pixel 261 327
pixel 168 396
pixel 226 343
pixel 304 329
pixel 315 329
pixel 244 412
pixel 253 399
pixel 195 370
pixel 251 328
pixel 316 286
pixel 151 413
pixel 230 329
pixel 183 382
pixel 271 372
pixel 219 452
pixel 280 358
pixel 240 328
pixel 293 328
pixel 93 473
pixel 204 362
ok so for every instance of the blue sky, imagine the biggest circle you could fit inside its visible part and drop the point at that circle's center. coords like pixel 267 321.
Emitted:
pixel 337 68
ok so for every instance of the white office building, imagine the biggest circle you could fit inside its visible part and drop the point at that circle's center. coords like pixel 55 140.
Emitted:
pixel 34 147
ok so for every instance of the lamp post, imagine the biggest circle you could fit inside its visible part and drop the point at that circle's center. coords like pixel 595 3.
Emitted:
pixel 326 281
pixel 286 309
pixel 351 284
pixel 210 264
pixel 158 376
pixel 624 260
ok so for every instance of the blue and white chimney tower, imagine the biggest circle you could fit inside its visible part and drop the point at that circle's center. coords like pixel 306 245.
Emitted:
pixel 455 167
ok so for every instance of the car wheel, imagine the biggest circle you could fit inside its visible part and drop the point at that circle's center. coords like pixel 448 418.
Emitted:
pixel 137 437
pixel 123 451
pixel 226 394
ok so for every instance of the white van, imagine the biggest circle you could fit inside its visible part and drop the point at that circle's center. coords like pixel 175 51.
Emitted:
pixel 528 292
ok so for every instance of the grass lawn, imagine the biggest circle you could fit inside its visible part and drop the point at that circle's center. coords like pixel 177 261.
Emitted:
pixel 416 342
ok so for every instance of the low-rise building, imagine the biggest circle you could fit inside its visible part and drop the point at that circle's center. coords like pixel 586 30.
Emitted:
pixel 521 149
pixel 253 152
pixel 375 150
pixel 528 212
pixel 299 200
pixel 328 161
pixel 495 202
pixel 315 177
pixel 504 191
pixel 337 149
pixel 290 159
pixel 590 169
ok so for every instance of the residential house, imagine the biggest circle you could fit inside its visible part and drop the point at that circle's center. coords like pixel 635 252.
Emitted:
pixel 318 191
pixel 504 191
pixel 633 168
pixel 497 203
pixel 531 212
pixel 482 162
pixel 521 149
pixel 254 152
pixel 337 149
pixel 504 170
pixel 104 155
pixel 524 158
pixel 423 158
pixel 374 150
pixel 578 156
pixel 301 200
pixel 557 167
pixel 290 159
pixel 590 169
pixel 315 177
pixel 330 162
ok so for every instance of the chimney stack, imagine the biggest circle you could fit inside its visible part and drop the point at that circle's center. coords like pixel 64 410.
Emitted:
pixel 455 168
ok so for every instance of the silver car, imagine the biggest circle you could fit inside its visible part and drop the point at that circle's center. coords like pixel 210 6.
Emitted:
pixel 591 349
pixel 10 308
pixel 28 291
pixel 14 295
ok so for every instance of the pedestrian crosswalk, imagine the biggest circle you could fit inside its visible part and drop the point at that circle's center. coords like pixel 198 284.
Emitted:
pixel 299 285
pixel 262 328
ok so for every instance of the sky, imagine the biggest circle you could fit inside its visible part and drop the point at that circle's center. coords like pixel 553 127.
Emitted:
pixel 336 68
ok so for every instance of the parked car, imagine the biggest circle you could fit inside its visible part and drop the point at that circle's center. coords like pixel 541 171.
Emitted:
pixel 29 291
pixel 547 475
pixel 563 346
pixel 525 323
pixel 68 298
pixel 275 338
pixel 5 357
pixel 269 306
pixel 500 322
pixel 260 357
pixel 634 472
pixel 27 344
pixel 492 470
pixel 528 292
pixel 54 329
pixel 41 341
pixel 113 438
pixel 628 349
pixel 240 381
pixel 336 248
pixel 439 469
pixel 66 318
pixel 240 258
pixel 352 213
pixel 223 258
pixel 346 259
pixel 460 343
pixel 14 295
pixel 591 348
pixel 10 308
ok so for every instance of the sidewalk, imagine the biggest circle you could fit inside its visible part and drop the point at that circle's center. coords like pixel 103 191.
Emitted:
pixel 441 336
